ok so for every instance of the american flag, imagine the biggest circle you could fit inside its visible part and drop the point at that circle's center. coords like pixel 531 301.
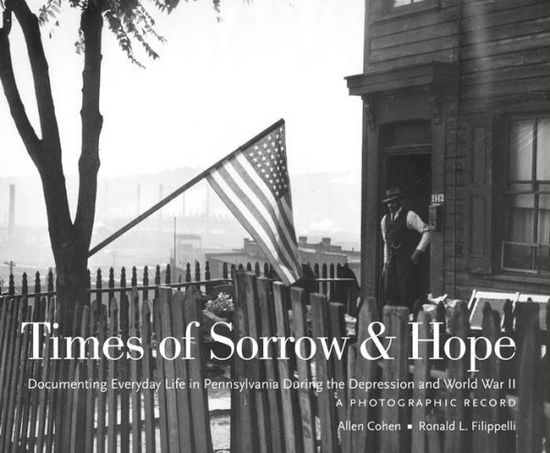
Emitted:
pixel 253 183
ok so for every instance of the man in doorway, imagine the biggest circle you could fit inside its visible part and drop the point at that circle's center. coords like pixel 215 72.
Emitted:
pixel 406 238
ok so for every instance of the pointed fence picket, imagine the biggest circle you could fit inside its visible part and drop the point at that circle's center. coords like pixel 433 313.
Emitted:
pixel 309 420
pixel 282 418
pixel 88 417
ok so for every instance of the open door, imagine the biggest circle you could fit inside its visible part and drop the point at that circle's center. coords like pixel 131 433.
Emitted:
pixel 407 164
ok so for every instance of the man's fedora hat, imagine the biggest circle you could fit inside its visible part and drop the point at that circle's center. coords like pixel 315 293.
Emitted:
pixel 393 193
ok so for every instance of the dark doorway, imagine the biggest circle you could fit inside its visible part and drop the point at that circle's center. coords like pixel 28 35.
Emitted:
pixel 412 173
pixel 407 164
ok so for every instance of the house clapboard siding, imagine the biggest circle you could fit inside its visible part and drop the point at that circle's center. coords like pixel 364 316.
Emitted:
pixel 463 66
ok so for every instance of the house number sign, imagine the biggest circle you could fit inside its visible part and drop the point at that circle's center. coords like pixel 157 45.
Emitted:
pixel 438 197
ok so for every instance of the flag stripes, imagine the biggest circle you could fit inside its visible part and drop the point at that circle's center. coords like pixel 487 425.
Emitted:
pixel 254 185
pixel 239 209
pixel 242 172
pixel 257 209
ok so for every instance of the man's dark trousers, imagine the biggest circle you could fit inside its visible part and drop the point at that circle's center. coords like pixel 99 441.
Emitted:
pixel 401 281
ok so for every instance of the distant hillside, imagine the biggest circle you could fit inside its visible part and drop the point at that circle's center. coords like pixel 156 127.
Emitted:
pixel 325 204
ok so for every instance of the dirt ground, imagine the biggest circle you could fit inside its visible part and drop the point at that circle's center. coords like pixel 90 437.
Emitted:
pixel 219 402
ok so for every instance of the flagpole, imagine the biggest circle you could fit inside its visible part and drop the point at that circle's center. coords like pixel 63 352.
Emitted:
pixel 179 191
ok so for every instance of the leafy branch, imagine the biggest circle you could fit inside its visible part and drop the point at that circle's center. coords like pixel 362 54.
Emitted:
pixel 128 20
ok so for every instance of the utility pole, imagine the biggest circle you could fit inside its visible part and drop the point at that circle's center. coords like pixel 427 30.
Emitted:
pixel 11 264
pixel 11 215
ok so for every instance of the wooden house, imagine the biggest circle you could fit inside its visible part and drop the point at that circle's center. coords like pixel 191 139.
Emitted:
pixel 456 111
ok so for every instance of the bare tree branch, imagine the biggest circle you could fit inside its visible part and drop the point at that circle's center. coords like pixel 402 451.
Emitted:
pixel 40 72
pixel 17 109
pixel 91 25
pixel 45 152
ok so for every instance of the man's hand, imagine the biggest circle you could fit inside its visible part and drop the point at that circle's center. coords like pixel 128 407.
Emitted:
pixel 416 257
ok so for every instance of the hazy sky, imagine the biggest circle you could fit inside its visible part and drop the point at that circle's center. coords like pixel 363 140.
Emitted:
pixel 215 85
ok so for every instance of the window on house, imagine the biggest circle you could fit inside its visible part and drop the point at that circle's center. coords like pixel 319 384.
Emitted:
pixel 526 246
pixel 397 3
pixel 403 7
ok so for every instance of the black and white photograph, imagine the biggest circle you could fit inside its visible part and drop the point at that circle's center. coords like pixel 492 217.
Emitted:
pixel 274 226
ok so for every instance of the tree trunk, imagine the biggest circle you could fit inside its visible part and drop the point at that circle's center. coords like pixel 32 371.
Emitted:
pixel 72 283
pixel 69 255
pixel 70 240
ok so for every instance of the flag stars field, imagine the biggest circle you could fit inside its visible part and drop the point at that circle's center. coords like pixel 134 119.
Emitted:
pixel 254 185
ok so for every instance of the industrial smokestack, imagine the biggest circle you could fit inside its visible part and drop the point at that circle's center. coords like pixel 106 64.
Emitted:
pixel 11 215
pixel 183 204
